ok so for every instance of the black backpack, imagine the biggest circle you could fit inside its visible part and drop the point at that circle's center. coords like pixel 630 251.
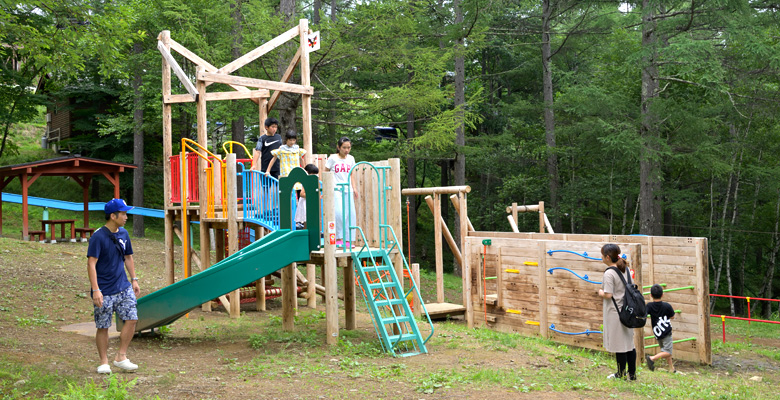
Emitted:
pixel 634 312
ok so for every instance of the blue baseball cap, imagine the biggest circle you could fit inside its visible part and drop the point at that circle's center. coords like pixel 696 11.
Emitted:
pixel 116 205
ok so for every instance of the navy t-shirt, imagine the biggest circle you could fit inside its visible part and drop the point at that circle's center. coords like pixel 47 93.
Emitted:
pixel 264 145
pixel 110 250
pixel 661 314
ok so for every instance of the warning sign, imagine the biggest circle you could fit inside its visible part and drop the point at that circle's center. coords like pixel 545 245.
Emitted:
pixel 332 238
pixel 332 227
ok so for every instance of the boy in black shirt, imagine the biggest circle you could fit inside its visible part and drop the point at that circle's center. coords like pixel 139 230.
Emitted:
pixel 265 144
pixel 661 315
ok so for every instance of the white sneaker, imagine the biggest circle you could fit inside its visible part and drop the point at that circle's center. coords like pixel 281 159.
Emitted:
pixel 104 369
pixel 126 365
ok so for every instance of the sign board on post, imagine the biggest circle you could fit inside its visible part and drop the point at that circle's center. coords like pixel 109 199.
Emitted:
pixel 314 41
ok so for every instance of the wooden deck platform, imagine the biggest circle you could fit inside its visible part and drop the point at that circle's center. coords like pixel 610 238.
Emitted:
pixel 444 310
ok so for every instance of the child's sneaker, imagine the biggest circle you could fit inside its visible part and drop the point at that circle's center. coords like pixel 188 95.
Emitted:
pixel 614 376
pixel 650 363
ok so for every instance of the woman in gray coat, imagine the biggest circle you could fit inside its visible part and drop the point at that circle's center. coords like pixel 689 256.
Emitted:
pixel 618 339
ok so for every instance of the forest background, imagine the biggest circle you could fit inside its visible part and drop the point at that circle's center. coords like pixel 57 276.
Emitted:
pixel 649 117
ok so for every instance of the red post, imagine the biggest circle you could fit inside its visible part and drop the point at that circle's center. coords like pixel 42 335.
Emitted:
pixel 749 315
pixel 723 319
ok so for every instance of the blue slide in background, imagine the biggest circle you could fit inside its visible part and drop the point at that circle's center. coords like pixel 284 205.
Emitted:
pixel 71 206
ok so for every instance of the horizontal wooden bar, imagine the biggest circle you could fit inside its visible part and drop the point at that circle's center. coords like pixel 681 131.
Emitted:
pixel 436 190
pixel 258 83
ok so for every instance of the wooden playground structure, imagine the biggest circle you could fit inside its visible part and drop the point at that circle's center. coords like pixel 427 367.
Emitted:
pixel 230 203
pixel 531 283
pixel 545 284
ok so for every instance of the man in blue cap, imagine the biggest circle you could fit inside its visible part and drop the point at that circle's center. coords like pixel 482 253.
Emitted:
pixel 108 255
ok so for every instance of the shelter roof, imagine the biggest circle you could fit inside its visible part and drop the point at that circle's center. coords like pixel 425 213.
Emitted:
pixel 64 166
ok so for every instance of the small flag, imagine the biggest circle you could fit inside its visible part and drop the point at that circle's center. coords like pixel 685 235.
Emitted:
pixel 314 41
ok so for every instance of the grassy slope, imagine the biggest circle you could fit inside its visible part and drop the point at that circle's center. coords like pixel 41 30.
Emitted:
pixel 244 352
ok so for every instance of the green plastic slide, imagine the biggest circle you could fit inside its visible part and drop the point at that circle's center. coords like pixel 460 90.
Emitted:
pixel 269 254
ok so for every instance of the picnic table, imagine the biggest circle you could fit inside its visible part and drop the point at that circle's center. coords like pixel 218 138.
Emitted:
pixel 52 223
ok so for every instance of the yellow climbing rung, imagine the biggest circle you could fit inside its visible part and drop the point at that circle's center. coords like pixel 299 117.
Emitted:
pixel 532 323
pixel 513 311
pixel 512 271
pixel 534 263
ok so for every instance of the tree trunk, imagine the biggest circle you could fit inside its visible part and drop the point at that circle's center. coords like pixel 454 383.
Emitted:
pixel 237 125
pixel 315 15
pixel 649 166
pixel 288 102
pixel 549 116
pixel 138 145
pixel 411 182
pixel 460 138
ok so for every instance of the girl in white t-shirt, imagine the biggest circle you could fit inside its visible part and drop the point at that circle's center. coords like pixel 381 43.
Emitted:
pixel 341 164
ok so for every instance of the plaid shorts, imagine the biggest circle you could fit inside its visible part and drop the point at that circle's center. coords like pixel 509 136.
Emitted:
pixel 122 303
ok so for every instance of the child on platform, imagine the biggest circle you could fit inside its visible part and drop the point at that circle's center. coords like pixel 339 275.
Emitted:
pixel 289 156
pixel 661 315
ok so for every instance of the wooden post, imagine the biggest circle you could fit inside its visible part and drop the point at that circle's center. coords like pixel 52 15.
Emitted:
pixel 437 246
pixel 85 198
pixel 305 98
pixel 329 277
pixel 650 262
pixel 170 216
pixel 447 235
pixel 232 224
pixel 417 311
pixel 456 204
pixel 635 261
pixel 350 305
pixel 311 276
pixel 394 214
pixel 514 214
pixel 541 217
pixel 289 297
pixel 465 268
pixel 513 224
pixel 703 342
pixel 499 283
pixel 167 115
pixel 543 326
pixel 25 212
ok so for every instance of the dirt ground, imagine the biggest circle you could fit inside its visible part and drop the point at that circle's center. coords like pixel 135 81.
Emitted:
pixel 208 356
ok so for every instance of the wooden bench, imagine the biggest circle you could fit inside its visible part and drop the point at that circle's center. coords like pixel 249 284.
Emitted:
pixel 84 232
pixel 40 234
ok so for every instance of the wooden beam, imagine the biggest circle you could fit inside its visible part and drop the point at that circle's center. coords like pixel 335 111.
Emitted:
pixel 205 64
pixel 456 203
pixel 447 235
pixel 259 51
pixel 465 268
pixel 177 69
pixel 285 78
pixel 232 217
pixel 329 277
pixel 252 82
pixel 253 95
pixel 439 263
pixel 303 49
pixel 513 224
pixel 542 274
pixel 436 190
pixel 635 258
